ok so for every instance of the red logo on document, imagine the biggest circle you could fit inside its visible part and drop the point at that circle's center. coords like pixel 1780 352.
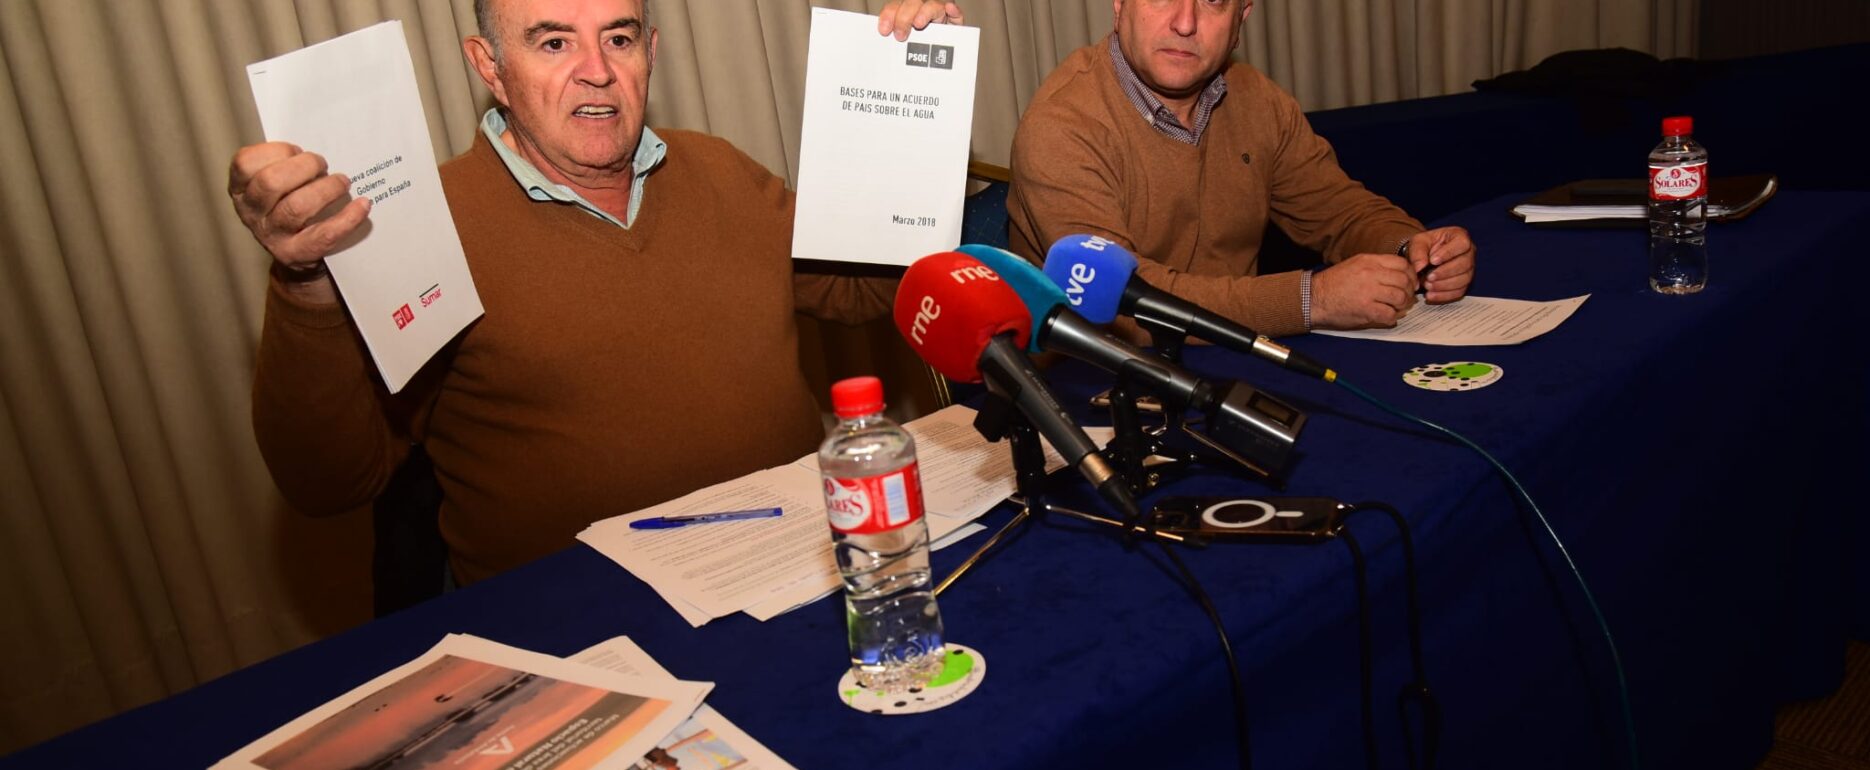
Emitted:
pixel 403 316
pixel 1676 182
pixel 875 504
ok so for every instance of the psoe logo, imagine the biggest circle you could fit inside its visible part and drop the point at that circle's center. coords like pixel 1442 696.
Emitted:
pixel 939 57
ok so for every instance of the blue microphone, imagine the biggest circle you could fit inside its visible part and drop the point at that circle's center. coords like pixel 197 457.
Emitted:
pixel 1099 278
pixel 1056 328
pixel 1033 288
pixel 1093 272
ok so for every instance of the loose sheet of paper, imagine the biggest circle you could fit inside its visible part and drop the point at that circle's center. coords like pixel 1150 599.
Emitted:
pixel 707 739
pixel 469 698
pixel 768 566
pixel 883 149
pixel 353 100
pixel 1473 321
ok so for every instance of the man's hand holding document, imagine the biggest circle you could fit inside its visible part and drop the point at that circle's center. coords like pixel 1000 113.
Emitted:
pixel 884 145
pixel 353 101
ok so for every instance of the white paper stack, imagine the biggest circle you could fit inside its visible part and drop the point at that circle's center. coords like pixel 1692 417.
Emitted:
pixel 764 567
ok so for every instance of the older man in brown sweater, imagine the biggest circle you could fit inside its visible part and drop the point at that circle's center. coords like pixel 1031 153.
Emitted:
pixel 1155 139
pixel 638 340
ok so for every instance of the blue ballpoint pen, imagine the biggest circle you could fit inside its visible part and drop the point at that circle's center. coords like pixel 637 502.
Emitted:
pixel 671 522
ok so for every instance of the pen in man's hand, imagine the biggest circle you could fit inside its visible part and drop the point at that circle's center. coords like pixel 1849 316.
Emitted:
pixel 671 522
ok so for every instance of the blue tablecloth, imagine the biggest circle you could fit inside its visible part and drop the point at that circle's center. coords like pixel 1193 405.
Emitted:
pixel 1694 453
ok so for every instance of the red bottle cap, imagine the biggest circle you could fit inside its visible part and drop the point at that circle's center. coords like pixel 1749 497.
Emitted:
pixel 1680 125
pixel 857 397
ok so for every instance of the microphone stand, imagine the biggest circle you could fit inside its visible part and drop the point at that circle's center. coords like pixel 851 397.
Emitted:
pixel 998 418
pixel 1168 338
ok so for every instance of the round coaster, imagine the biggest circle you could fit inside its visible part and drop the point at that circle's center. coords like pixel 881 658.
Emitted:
pixel 962 670
pixel 1457 375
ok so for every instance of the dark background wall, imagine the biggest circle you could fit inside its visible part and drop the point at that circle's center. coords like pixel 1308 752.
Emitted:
pixel 1735 28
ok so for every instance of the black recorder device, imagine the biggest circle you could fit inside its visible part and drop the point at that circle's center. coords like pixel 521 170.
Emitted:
pixel 1262 519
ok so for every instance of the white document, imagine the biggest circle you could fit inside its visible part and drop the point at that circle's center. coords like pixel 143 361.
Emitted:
pixel 707 739
pixel 1535 213
pixel 353 100
pixel 1473 321
pixel 883 149
pixel 472 701
pixel 768 566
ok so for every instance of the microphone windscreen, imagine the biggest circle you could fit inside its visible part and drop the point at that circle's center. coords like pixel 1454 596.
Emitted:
pixel 1034 289
pixel 949 305
pixel 1091 271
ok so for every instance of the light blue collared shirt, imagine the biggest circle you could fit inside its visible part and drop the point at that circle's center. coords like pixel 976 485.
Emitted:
pixel 649 153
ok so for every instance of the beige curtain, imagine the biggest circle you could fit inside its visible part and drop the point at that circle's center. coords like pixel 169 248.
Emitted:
pixel 142 547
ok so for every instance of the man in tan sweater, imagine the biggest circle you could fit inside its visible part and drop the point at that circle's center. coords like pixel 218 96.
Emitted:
pixel 1155 139
pixel 638 340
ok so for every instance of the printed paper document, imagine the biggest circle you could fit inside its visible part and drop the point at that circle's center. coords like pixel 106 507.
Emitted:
pixel 883 149
pixel 472 702
pixel 353 100
pixel 1473 321
pixel 767 566
pixel 707 739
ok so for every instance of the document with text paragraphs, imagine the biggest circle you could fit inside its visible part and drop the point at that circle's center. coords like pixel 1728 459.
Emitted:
pixel 1473 321
pixel 767 566
pixel 404 278
pixel 883 148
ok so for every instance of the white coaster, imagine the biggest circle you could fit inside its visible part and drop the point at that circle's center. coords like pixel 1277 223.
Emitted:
pixel 961 672
pixel 1457 375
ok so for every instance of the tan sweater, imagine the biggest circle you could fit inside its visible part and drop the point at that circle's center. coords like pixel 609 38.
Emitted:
pixel 1086 161
pixel 614 369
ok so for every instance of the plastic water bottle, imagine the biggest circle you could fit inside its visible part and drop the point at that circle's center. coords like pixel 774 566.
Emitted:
pixel 873 497
pixel 1678 210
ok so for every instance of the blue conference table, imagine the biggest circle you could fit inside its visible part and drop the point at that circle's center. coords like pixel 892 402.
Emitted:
pixel 1694 453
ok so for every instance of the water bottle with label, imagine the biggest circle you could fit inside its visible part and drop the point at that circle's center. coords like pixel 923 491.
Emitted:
pixel 873 497
pixel 1678 208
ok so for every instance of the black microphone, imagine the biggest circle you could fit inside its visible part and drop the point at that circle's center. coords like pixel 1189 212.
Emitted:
pixel 1099 280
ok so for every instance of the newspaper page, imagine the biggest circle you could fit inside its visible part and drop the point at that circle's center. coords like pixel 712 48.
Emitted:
pixel 474 704
pixel 706 740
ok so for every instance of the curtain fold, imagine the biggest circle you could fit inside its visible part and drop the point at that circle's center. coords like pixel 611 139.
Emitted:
pixel 143 548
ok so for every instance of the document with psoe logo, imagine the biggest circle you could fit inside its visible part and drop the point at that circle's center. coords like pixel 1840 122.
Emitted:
pixel 353 100
pixel 883 149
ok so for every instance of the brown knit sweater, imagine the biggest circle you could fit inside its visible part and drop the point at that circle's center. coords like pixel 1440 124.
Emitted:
pixel 1086 161
pixel 614 369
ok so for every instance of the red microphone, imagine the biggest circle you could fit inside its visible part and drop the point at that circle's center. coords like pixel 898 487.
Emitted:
pixel 971 326
pixel 949 305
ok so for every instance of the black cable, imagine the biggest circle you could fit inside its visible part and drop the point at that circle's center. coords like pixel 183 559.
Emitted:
pixel 1365 654
pixel 1227 649
pixel 1417 690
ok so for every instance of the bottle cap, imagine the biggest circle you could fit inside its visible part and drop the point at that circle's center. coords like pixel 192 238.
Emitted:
pixel 1680 125
pixel 857 397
